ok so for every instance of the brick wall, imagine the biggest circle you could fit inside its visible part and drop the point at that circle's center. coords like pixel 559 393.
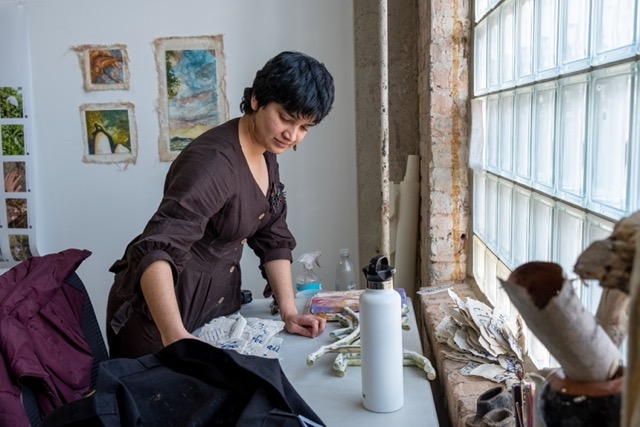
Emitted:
pixel 443 85
pixel 455 394
pixel 429 52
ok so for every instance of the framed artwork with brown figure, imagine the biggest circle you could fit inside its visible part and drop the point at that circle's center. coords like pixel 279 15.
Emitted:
pixel 104 67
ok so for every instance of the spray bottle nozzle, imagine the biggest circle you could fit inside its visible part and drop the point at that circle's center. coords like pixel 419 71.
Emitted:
pixel 308 280
pixel 309 258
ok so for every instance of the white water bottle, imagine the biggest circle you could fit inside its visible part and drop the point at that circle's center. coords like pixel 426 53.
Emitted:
pixel 345 272
pixel 381 339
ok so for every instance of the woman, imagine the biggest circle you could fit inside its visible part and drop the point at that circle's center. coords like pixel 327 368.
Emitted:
pixel 223 191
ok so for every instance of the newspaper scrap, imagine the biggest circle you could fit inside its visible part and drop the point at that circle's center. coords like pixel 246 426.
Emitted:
pixel 482 337
pixel 431 290
pixel 245 335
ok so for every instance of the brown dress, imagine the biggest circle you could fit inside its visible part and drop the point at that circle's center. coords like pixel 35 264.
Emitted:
pixel 211 207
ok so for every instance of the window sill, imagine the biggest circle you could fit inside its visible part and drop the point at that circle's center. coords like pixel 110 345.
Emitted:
pixel 455 394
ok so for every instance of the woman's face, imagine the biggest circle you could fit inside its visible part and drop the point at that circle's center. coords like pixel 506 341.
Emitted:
pixel 277 130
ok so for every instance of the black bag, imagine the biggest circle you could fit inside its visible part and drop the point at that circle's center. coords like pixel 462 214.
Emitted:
pixel 189 383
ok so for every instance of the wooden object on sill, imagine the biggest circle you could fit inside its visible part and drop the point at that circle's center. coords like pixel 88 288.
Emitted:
pixel 552 311
pixel 613 314
pixel 610 262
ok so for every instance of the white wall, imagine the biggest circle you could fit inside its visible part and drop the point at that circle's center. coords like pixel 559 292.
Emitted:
pixel 99 207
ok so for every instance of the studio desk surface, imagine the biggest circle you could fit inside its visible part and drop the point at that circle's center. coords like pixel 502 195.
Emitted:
pixel 338 400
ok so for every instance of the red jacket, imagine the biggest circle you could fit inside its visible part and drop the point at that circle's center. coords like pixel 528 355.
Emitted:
pixel 41 335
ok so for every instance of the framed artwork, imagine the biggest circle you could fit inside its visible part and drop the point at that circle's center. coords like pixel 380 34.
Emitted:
pixel 192 90
pixel 17 197
pixel 14 177
pixel 104 67
pixel 109 133
pixel 19 247
pixel 11 103
pixel 12 140
pixel 16 213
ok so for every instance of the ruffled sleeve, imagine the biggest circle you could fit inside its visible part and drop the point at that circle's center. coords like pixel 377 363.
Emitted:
pixel 197 186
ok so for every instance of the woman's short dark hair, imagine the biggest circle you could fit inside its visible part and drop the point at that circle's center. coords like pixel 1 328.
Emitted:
pixel 299 83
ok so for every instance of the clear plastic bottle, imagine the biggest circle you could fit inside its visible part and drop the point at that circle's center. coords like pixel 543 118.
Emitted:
pixel 345 272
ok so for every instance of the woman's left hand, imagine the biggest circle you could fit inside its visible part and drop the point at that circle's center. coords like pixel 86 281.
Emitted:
pixel 306 325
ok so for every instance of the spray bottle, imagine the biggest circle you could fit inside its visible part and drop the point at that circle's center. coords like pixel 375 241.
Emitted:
pixel 308 280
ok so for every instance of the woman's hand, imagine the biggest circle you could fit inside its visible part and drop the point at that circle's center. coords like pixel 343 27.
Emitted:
pixel 306 325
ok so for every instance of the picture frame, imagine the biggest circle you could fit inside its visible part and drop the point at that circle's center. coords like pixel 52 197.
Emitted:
pixel 11 103
pixel 19 247
pixel 109 133
pixel 14 174
pixel 13 139
pixel 192 90
pixel 104 67
pixel 17 213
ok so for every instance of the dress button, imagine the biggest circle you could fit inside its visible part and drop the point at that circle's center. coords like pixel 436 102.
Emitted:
pixel 220 300
pixel 243 241
pixel 261 216
pixel 233 267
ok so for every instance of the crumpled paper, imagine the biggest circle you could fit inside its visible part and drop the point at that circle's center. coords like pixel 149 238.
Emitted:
pixel 253 336
pixel 482 337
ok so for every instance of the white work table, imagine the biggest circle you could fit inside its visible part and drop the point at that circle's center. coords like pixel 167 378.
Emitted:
pixel 338 400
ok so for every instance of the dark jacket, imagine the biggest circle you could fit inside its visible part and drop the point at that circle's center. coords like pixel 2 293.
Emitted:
pixel 189 383
pixel 41 339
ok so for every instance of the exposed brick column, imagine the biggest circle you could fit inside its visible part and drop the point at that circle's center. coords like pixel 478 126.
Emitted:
pixel 444 126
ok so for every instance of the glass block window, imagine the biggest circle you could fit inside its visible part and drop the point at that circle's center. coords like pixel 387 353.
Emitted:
pixel 522 135
pixel 558 82
pixel 544 114
pixel 572 134
pixel 507 44
pixel 575 41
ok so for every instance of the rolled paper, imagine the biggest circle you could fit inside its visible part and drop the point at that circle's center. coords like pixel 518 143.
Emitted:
pixel 553 312
pixel 407 228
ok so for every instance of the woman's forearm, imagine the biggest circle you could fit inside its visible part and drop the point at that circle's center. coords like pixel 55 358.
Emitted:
pixel 158 290
pixel 279 275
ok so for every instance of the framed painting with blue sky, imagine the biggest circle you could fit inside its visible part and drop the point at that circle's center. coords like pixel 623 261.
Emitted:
pixel 192 90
